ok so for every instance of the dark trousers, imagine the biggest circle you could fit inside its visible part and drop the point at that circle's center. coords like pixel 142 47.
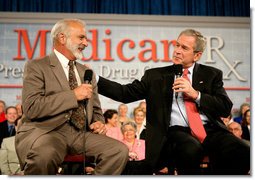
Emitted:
pixel 137 168
pixel 228 155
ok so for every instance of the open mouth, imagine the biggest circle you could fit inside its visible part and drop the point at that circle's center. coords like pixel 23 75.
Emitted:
pixel 81 49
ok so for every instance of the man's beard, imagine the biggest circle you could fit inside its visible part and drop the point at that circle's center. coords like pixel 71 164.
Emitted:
pixel 74 49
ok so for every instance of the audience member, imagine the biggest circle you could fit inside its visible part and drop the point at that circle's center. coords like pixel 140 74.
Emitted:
pixel 111 120
pixel 2 111
pixel 19 109
pixel 246 125
pixel 62 114
pixel 9 163
pixel 244 107
pixel 7 128
pixel 142 105
pixel 236 129
pixel 136 164
pixel 122 112
pixel 139 118
pixel 136 146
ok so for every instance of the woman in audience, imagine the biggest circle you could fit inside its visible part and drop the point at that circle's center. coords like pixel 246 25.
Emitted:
pixel 136 164
pixel 244 107
pixel 122 112
pixel 111 120
pixel 246 125
pixel 139 117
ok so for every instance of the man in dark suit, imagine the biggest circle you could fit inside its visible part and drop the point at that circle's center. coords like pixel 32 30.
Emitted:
pixel 53 91
pixel 7 127
pixel 168 134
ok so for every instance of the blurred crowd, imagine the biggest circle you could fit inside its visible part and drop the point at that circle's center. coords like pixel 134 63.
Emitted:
pixel 119 125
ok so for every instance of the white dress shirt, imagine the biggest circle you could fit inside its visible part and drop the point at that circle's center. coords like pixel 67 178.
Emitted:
pixel 64 63
pixel 179 116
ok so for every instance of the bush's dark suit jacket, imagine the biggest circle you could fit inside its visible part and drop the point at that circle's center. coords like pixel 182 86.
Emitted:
pixel 156 87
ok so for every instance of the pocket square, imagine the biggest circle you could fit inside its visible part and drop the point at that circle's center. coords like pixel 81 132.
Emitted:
pixel 201 82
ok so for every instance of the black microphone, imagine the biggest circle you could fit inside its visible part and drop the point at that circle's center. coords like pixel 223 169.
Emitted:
pixel 87 80
pixel 178 73
pixel 88 76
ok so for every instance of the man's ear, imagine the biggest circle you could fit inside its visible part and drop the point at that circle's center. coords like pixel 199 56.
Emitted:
pixel 197 56
pixel 62 38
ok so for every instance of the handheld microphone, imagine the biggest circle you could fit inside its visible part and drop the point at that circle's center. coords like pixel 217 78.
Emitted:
pixel 87 80
pixel 88 76
pixel 178 73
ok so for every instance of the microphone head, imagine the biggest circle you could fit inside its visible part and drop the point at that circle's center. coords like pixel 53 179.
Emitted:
pixel 178 69
pixel 88 75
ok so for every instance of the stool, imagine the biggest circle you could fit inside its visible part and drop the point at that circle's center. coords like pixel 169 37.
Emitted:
pixel 73 165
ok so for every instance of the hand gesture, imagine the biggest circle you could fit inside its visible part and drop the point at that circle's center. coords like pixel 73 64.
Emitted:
pixel 98 127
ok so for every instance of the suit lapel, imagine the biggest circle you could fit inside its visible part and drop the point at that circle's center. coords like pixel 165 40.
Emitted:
pixel 80 69
pixel 57 69
pixel 198 78
pixel 168 80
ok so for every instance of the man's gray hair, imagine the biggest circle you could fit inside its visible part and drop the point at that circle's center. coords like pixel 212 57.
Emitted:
pixel 62 26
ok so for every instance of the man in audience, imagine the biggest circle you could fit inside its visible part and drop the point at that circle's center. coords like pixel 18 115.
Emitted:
pixel 7 128
pixel 9 162
pixel 236 129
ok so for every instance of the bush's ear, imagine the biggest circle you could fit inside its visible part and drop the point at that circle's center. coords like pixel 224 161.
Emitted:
pixel 197 56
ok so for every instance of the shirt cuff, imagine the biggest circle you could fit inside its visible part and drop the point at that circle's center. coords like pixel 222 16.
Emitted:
pixel 198 98
pixel 97 78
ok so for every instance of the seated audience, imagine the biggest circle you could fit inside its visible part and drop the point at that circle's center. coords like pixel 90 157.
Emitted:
pixel 9 163
pixel 236 129
pixel 244 107
pixel 142 105
pixel 139 118
pixel 2 111
pixel 111 120
pixel 136 164
pixel 122 112
pixel 246 125
pixel 7 127
pixel 19 109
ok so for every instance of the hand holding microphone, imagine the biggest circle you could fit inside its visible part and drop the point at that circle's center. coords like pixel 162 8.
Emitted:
pixel 178 74
pixel 182 84
pixel 85 90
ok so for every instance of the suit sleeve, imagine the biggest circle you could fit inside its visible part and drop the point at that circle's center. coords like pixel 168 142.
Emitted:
pixel 123 93
pixel 216 103
pixel 97 110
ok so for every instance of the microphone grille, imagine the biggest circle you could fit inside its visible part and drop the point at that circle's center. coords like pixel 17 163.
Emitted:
pixel 88 75
pixel 178 69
